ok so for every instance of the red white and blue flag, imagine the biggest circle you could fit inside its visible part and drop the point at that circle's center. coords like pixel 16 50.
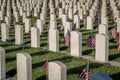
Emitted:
pixel 67 39
pixel 45 66
pixel 90 41
pixel 85 73
pixel 114 32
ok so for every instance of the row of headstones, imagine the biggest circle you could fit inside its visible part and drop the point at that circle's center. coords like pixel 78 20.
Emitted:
pixel 35 32
pixel 116 15
pixel 76 40
pixel 22 13
pixel 70 14
pixel 90 20
pixel 56 70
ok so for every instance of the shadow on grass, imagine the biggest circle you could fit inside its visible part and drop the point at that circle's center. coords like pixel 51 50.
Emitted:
pixel 14 49
pixel 27 42
pixel 63 48
pixel 12 72
pixel 10 59
pixel 114 56
pixel 95 65
pixel 63 59
pixel 115 76
pixel 88 51
pixel 39 53
pixel 112 40
pixel 41 78
pixel 113 47
pixel 5 45
pixel 43 44
pixel 77 70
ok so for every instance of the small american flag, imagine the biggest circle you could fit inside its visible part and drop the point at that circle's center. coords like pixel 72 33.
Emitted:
pixel 45 66
pixel 114 32
pixel 91 41
pixel 67 39
pixel 85 73
pixel 74 27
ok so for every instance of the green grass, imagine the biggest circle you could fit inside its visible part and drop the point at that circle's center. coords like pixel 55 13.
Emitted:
pixel 74 65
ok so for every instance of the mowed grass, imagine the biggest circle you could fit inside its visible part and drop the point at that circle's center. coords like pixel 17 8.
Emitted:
pixel 74 65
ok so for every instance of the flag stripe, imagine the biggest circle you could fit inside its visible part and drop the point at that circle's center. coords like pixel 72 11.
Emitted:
pixel 84 74
pixel 114 33
pixel 45 66
pixel 90 41
pixel 67 39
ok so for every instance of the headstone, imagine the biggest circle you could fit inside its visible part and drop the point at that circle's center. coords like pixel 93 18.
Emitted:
pixel 103 29
pixel 102 48
pixel 21 11
pixel 80 14
pixel 35 12
pixel 24 66
pixel 104 20
pixel 52 17
pixel 67 27
pixel 16 16
pixel 92 13
pixel 1 15
pixel 35 37
pixel 24 16
pixel 42 17
pixel 40 25
pixel 57 71
pixel 54 39
pixel 7 21
pixel 18 34
pixel 4 32
pixel 89 23
pixel 76 44
pixel 27 25
pixel 60 12
pixel 2 64
pixel 70 13
pixel 64 19
pixel 53 25
pixel 77 21
pixel 84 9
pixel 28 11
